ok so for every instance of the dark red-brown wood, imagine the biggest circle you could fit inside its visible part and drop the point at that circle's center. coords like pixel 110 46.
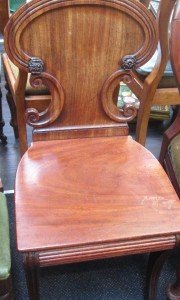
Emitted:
pixel 84 183
pixel 103 191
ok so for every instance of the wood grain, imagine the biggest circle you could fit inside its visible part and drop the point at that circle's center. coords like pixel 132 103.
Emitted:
pixel 81 68
pixel 4 14
pixel 124 197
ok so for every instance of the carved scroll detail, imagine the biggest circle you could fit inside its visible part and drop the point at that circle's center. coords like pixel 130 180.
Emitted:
pixel 49 115
pixel 128 111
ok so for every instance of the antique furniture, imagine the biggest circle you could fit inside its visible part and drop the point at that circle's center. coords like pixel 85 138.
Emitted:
pixel 170 160
pixel 170 152
pixel 84 183
pixel 7 7
pixel 165 94
pixel 162 86
pixel 5 257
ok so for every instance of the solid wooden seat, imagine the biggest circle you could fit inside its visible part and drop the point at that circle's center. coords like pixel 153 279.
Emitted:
pixel 118 199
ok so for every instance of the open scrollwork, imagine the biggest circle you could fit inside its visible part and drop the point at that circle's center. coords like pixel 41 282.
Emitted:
pixel 127 112
pixel 49 115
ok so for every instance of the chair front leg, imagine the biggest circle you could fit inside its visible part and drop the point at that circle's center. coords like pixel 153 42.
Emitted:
pixel 12 108
pixel 31 266
pixel 173 290
pixel 142 122
pixel 3 138
pixel 155 264
pixel 6 292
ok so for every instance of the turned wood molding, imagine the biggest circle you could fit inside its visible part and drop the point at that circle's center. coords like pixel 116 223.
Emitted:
pixel 40 74
pixel 20 20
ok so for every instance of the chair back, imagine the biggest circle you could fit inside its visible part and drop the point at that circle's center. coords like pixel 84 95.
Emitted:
pixel 81 50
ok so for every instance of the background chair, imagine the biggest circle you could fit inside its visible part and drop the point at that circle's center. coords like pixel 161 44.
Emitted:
pixel 170 153
pixel 5 257
pixel 170 150
pixel 162 86
pixel 6 8
pixel 169 158
pixel 96 192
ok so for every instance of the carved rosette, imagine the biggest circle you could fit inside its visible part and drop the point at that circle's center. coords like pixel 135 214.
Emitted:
pixel 35 65
pixel 128 62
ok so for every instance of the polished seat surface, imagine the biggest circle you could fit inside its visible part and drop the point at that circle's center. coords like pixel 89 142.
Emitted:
pixel 90 191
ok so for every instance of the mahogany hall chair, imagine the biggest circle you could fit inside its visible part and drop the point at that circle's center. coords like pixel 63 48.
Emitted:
pixel 84 183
